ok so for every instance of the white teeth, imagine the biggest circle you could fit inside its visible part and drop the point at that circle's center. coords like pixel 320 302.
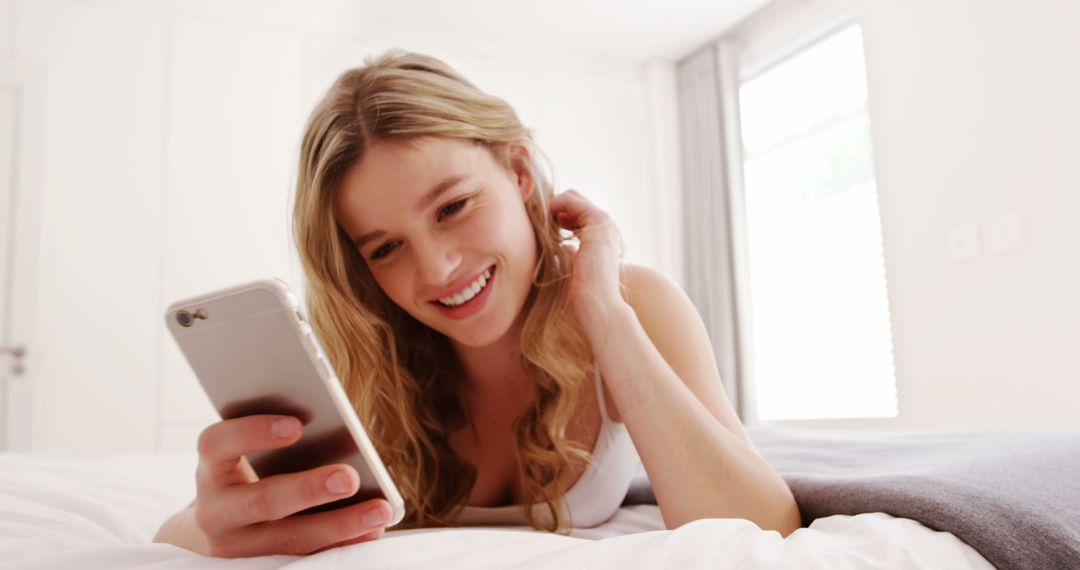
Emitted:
pixel 468 292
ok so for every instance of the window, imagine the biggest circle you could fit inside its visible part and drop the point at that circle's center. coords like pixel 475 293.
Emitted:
pixel 821 336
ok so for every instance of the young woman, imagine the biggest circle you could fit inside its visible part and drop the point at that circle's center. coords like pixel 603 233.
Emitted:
pixel 507 372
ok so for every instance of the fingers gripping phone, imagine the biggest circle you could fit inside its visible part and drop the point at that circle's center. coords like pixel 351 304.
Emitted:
pixel 254 353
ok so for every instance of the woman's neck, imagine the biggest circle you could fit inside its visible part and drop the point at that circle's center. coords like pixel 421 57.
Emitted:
pixel 495 371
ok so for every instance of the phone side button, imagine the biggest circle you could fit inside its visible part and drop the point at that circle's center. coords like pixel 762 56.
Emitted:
pixel 326 367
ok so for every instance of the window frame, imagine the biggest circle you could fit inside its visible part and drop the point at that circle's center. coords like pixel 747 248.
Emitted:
pixel 770 36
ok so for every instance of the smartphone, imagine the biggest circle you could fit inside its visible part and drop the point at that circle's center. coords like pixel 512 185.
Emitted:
pixel 254 353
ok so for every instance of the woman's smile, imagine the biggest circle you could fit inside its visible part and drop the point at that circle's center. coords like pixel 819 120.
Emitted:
pixel 468 300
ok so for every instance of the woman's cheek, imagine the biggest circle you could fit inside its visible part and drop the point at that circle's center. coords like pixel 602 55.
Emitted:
pixel 391 284
pixel 525 237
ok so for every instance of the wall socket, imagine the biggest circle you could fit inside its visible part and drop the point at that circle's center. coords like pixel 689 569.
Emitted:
pixel 1001 234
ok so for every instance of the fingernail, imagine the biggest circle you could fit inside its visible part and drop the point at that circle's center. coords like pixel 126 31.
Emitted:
pixel 374 517
pixel 284 427
pixel 338 483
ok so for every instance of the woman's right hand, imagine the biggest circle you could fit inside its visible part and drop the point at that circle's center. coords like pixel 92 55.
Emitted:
pixel 242 515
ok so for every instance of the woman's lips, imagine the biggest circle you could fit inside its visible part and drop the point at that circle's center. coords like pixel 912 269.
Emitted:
pixel 459 286
pixel 472 306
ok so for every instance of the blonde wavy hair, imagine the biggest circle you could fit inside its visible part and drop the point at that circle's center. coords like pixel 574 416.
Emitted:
pixel 400 375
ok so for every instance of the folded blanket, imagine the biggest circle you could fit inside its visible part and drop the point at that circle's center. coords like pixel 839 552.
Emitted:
pixel 1012 495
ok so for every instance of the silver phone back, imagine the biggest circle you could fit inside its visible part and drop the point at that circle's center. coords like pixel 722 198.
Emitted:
pixel 253 353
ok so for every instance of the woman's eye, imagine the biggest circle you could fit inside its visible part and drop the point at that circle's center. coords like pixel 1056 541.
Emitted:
pixel 383 250
pixel 451 208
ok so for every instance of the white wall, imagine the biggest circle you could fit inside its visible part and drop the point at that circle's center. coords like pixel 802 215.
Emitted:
pixel 974 113
pixel 171 130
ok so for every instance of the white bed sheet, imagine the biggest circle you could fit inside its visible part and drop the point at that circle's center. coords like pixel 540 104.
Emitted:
pixel 102 512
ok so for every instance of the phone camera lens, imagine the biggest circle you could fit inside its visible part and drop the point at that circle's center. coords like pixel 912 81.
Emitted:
pixel 184 318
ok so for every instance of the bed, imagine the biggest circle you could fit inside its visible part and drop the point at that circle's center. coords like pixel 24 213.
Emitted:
pixel 868 500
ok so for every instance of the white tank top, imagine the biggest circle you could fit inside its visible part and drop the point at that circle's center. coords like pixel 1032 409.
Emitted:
pixel 595 496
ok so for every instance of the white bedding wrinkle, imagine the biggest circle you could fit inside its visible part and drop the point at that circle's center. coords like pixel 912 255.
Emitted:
pixel 102 511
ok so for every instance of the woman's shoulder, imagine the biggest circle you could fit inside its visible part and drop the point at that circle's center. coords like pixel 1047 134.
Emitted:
pixel 671 321
pixel 648 288
pixel 662 307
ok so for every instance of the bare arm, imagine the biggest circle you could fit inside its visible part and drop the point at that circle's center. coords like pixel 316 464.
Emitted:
pixel 658 365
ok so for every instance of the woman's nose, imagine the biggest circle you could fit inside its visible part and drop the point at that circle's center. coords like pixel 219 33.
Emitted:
pixel 436 263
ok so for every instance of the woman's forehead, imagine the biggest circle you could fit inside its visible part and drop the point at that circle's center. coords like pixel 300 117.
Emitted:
pixel 397 169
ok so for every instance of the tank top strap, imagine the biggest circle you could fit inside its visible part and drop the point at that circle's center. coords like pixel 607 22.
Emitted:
pixel 600 395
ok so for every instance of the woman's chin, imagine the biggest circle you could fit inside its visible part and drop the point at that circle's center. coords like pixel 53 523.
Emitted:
pixel 474 340
pixel 478 335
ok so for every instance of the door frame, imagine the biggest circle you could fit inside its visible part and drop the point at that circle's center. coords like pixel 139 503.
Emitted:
pixel 22 404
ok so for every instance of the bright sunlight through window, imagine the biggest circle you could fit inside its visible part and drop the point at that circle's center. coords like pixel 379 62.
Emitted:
pixel 822 346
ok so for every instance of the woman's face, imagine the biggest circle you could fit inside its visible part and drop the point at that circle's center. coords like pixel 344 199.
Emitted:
pixel 443 228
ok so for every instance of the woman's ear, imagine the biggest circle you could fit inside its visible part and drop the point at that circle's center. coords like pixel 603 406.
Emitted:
pixel 520 162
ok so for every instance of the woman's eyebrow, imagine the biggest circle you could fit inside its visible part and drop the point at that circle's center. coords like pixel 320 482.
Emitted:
pixel 433 194
pixel 425 200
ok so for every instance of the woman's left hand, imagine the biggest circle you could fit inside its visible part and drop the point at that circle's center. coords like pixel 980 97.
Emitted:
pixel 594 280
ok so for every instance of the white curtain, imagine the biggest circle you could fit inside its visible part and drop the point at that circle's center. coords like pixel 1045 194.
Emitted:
pixel 708 238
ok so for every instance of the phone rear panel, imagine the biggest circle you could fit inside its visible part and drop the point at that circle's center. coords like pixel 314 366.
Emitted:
pixel 252 340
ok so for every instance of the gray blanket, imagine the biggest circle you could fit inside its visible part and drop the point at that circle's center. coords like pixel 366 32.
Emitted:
pixel 1011 495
